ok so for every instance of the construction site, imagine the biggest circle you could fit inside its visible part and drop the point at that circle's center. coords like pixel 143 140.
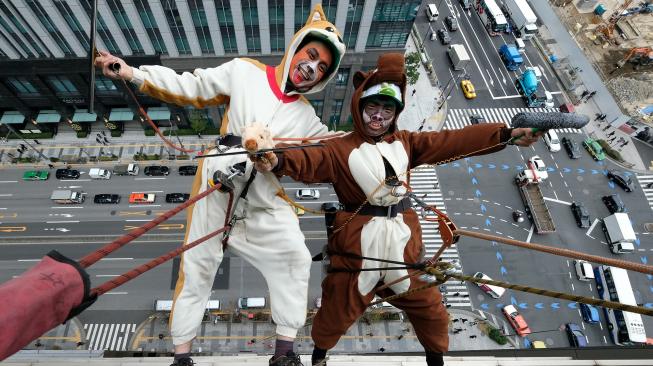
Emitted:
pixel 617 37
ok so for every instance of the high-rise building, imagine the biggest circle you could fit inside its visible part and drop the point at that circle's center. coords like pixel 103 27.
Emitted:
pixel 44 65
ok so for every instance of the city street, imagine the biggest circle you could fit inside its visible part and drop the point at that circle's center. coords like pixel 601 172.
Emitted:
pixel 494 83
pixel 480 195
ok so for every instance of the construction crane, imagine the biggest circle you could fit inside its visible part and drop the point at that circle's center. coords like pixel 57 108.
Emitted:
pixel 639 56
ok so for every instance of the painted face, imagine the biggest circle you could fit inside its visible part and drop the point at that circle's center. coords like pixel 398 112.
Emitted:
pixel 309 65
pixel 378 115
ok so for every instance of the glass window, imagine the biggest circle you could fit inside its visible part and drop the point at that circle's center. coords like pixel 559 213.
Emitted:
pixel 47 22
pixel 102 29
pixel 342 77
pixel 177 29
pixel 103 83
pixel 18 25
pixel 16 38
pixel 152 29
pixel 277 37
pixel 391 23
pixel 354 14
pixel 302 9
pixel 201 26
pixel 126 27
pixel 62 84
pixel 226 21
pixel 330 7
pixel 250 18
pixel 22 85
pixel 335 111
pixel 318 105
pixel 80 33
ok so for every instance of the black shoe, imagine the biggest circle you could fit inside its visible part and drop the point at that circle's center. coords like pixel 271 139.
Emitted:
pixel 187 361
pixel 320 362
pixel 290 359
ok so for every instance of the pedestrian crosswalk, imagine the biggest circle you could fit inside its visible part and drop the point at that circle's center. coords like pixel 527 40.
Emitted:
pixel 646 182
pixel 424 181
pixel 113 337
pixel 459 118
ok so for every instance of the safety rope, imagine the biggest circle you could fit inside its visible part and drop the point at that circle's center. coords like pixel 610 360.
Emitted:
pixel 95 256
pixel 130 275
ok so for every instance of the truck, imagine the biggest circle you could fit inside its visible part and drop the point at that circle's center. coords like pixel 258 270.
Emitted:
pixel 536 209
pixel 529 85
pixel 619 233
pixel 65 197
pixel 126 169
pixel 524 20
pixel 510 56
pixel 458 56
pixel 99 173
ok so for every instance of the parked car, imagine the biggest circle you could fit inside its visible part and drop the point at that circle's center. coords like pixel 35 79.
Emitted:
pixel 36 175
pixel 468 89
pixel 67 174
pixel 594 148
pixel 187 170
pixel 551 140
pixel 476 119
pixel 575 335
pixel 157 170
pixel 177 197
pixel 106 198
pixel 451 23
pixel 621 179
pixel 573 150
pixel 516 320
pixel 443 36
pixel 581 214
pixel 614 203
pixel 494 291
pixel 307 194
pixel 590 313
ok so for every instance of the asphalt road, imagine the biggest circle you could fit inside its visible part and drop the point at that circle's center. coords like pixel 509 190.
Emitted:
pixel 480 195
pixel 494 83
pixel 31 225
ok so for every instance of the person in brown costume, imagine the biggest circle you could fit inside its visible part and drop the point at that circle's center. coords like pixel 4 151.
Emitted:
pixel 360 166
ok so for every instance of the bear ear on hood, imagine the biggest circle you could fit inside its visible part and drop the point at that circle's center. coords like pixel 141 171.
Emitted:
pixel 359 78
pixel 316 15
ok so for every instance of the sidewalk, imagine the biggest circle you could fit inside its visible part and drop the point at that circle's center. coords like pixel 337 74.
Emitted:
pixel 602 102
pixel 372 336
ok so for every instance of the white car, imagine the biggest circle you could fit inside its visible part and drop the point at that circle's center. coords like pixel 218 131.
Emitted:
pixel 536 164
pixel 584 270
pixel 307 194
pixel 552 141
pixel 494 291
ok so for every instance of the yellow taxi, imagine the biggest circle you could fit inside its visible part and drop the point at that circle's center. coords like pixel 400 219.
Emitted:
pixel 468 89
pixel 538 344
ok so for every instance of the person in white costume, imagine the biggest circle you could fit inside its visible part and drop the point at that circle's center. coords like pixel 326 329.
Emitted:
pixel 268 236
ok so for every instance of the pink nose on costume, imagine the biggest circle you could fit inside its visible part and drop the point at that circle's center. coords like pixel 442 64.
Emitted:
pixel 376 117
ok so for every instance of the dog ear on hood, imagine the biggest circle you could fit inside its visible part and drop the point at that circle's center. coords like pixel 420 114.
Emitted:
pixel 359 78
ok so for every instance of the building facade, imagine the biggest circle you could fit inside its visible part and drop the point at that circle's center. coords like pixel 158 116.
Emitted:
pixel 45 70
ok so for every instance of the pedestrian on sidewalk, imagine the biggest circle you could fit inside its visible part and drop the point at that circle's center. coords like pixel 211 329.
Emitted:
pixel 612 139
pixel 591 95
pixel 583 95
pixel 97 139
pixel 472 336
pixel 381 349
pixel 37 142
pixel 106 140
pixel 624 144
pixel 606 127
pixel 11 155
pixel 51 166
pixel 103 133
pixel 611 133
pixel 414 91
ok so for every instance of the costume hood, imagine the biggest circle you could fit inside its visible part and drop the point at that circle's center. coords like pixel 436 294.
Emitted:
pixel 390 69
pixel 319 27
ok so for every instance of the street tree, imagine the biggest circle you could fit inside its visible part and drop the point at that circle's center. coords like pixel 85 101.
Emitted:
pixel 412 63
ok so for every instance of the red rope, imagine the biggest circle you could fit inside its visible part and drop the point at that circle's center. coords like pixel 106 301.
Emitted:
pixel 93 257
pixel 130 275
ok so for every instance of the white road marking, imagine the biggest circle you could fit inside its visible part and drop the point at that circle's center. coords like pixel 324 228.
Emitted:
pixel 107 275
pixel 558 201
pixel 61 222
pixel 75 180
pixel 134 220
pixel 117 259
pixel 6 194
pixel 143 206
pixel 116 293
pixel 596 221
pixel 8 181
pixel 67 207
pixel 530 234
pixel 152 178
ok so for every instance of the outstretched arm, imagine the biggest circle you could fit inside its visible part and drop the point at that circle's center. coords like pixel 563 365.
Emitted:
pixel 308 165
pixel 201 88
pixel 435 147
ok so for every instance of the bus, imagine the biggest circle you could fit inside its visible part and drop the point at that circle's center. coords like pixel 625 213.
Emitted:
pixel 626 329
pixel 492 16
